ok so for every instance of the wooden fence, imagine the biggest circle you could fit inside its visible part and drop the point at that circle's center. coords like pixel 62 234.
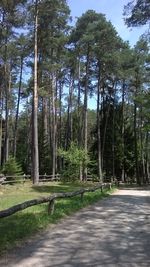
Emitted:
pixel 51 199
pixel 23 178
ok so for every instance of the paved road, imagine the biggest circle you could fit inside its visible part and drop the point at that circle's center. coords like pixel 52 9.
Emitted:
pixel 113 233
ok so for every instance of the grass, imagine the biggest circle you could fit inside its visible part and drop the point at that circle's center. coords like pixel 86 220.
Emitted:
pixel 25 223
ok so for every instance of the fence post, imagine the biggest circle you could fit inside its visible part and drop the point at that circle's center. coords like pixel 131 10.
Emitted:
pixel 24 178
pixel 82 196
pixel 51 206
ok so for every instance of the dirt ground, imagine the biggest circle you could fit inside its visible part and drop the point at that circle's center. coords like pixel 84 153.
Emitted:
pixel 115 232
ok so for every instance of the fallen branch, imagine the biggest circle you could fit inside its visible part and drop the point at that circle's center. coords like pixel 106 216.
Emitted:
pixel 50 199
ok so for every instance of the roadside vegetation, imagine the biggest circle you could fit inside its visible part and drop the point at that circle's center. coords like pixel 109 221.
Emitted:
pixel 24 224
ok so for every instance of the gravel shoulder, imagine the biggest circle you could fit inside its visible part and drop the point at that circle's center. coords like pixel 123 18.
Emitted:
pixel 115 232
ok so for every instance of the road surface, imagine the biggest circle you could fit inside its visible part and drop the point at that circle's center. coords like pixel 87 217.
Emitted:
pixel 115 232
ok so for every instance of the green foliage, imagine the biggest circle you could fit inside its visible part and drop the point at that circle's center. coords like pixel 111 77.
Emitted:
pixel 11 167
pixel 74 158
pixel 137 13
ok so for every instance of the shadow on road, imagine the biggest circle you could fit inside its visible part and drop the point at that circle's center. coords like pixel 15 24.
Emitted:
pixel 114 232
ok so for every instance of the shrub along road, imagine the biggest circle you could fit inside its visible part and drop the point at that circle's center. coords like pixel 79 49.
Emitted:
pixel 113 232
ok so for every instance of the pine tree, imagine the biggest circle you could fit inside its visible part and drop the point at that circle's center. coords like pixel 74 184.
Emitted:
pixel 137 13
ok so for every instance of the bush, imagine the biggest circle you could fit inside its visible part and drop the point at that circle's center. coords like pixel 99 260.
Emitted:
pixel 69 174
pixel 74 159
pixel 11 168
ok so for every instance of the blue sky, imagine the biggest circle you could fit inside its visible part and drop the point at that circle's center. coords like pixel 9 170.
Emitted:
pixel 113 10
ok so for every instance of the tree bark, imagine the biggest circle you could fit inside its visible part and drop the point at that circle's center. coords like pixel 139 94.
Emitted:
pixel 85 108
pixel 59 126
pixel 69 114
pixel 143 174
pixel 100 175
pixel 105 128
pixel 35 152
pixel 45 120
pixel 147 158
pixel 79 108
pixel 113 135
pixel 135 144
pixel 17 111
pixel 1 125
pixel 122 133
pixel 53 127
pixel 6 75
pixel 6 143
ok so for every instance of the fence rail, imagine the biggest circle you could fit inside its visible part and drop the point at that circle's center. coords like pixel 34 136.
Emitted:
pixel 51 199
pixel 23 178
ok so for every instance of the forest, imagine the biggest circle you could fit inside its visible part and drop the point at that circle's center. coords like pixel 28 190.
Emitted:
pixel 50 68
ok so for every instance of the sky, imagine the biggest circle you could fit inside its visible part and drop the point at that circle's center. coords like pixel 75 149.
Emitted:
pixel 113 9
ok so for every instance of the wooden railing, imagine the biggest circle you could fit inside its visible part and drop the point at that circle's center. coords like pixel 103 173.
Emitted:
pixel 42 178
pixel 23 178
pixel 51 199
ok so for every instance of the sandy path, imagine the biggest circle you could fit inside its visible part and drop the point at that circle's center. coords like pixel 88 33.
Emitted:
pixel 114 232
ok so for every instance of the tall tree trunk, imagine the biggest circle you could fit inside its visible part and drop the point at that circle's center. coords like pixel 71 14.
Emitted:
pixel 35 151
pixel 45 119
pixel 147 158
pixel 122 133
pixel 45 144
pixel 50 127
pixel 135 144
pixel 143 174
pixel 53 127
pixel 69 114
pixel 100 175
pixel 60 162
pixel 113 135
pixel 102 114
pixel 6 143
pixel 6 84
pixel 79 107
pixel 29 136
pixel 17 111
pixel 105 128
pixel 85 112
pixel 79 134
pixel 56 123
pixel 1 125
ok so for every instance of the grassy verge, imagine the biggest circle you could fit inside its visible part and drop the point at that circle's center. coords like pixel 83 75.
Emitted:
pixel 25 223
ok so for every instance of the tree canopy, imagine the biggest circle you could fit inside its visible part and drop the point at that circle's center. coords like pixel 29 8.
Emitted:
pixel 137 13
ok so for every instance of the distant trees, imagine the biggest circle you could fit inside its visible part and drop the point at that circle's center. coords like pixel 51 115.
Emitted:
pixel 49 71
pixel 12 18
pixel 140 80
